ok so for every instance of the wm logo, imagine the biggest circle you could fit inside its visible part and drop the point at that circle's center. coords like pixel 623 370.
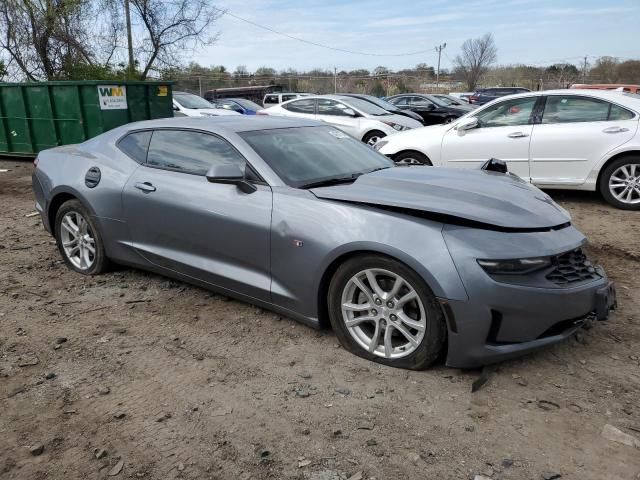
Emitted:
pixel 111 91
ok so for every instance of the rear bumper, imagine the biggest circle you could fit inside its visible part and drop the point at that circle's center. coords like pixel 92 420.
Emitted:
pixel 513 320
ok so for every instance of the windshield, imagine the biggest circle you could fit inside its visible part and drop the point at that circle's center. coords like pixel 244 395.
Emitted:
pixel 380 103
pixel 308 155
pixel 364 106
pixel 188 100
pixel 248 104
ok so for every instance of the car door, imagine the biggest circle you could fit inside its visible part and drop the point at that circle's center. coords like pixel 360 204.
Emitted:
pixel 336 114
pixel 208 231
pixel 430 112
pixel 503 132
pixel 574 134
pixel 303 108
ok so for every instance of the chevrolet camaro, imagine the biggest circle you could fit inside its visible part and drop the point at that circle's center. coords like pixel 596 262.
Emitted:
pixel 408 264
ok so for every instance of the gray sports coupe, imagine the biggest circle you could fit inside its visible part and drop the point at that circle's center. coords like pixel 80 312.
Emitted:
pixel 407 263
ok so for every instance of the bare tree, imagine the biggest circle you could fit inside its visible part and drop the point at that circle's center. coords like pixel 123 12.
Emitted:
pixel 44 38
pixel 474 60
pixel 170 28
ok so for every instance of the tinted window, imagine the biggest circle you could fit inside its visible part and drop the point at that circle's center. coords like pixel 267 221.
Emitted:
pixel 188 100
pixel 507 113
pixel 331 107
pixel 309 154
pixel 301 106
pixel 566 109
pixel 135 145
pixel 189 152
pixel 270 99
pixel 400 100
pixel 619 113
pixel 288 97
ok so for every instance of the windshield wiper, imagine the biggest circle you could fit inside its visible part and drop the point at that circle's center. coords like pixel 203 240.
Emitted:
pixel 327 182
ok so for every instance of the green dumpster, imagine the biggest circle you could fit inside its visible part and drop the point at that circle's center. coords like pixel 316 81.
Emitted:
pixel 39 115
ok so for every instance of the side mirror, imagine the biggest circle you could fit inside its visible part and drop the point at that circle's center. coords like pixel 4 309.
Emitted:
pixel 351 112
pixel 466 124
pixel 430 106
pixel 176 108
pixel 232 174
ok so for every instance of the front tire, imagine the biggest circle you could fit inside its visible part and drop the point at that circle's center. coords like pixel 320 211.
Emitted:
pixel 79 240
pixel 383 311
pixel 620 183
pixel 372 137
pixel 412 158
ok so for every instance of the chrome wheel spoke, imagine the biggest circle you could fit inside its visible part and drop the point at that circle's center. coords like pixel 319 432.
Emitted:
pixel 363 288
pixel 356 307
pixel 412 295
pixel 397 285
pixel 388 347
pixel 358 320
pixel 410 322
pixel 373 282
pixel 406 334
pixel 375 339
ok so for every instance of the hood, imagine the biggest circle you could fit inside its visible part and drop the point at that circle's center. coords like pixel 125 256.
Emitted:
pixel 502 201
pixel 462 109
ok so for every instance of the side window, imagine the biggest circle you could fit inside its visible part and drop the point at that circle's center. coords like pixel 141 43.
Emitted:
pixel 288 97
pixel 135 145
pixel 270 100
pixel 189 152
pixel 331 107
pixel 619 113
pixel 302 106
pixel 507 113
pixel 420 101
pixel 567 109
pixel 399 100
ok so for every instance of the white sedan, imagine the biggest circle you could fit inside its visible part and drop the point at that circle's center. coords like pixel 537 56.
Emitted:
pixel 569 139
pixel 359 118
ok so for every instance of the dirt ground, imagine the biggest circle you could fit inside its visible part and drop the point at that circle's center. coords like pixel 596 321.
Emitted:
pixel 172 381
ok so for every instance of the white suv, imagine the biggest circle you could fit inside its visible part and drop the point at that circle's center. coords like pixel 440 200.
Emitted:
pixel 359 118
pixel 271 99
pixel 570 139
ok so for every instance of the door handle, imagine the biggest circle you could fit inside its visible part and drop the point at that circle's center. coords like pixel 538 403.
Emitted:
pixel 518 135
pixel 615 130
pixel 146 187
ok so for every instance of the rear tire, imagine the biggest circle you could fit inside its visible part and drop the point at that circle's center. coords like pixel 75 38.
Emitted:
pixel 404 326
pixel 79 240
pixel 411 157
pixel 372 137
pixel 619 183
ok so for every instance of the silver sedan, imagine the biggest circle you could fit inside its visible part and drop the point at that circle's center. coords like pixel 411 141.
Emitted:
pixel 406 263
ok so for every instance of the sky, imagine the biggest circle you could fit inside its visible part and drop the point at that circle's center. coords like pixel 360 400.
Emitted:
pixel 536 32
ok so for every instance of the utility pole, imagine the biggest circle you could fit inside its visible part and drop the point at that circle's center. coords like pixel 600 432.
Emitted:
pixel 439 49
pixel 335 80
pixel 127 14
pixel 584 70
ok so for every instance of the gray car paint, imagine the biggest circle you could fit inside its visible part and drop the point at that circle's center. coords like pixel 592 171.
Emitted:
pixel 277 247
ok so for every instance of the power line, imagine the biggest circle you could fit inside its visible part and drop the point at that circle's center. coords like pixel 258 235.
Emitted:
pixel 321 45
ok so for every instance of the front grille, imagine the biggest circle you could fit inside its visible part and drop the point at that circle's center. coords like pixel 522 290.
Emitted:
pixel 572 267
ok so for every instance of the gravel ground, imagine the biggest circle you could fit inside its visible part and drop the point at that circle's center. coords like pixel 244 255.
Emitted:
pixel 163 380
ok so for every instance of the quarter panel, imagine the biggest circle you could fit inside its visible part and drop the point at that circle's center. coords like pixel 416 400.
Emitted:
pixel 329 229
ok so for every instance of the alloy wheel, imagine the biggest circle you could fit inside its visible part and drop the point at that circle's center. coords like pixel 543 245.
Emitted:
pixel 77 239
pixel 372 140
pixel 409 161
pixel 624 183
pixel 383 313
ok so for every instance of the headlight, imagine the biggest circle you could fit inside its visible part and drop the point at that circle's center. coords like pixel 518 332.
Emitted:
pixel 397 126
pixel 379 144
pixel 514 266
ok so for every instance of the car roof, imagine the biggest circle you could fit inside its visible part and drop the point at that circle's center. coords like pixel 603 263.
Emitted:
pixel 621 98
pixel 224 124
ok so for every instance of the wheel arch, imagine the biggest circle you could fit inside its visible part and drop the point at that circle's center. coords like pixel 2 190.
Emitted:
pixel 58 198
pixel 373 130
pixel 361 250
pixel 626 153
